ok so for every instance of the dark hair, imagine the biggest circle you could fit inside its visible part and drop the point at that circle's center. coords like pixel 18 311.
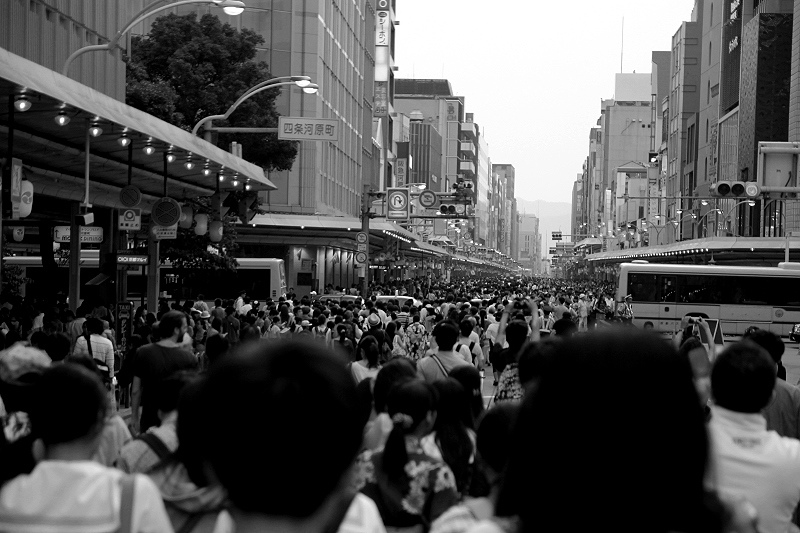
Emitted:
pixel 537 359
pixel 395 371
pixel 364 390
pixel 300 393
pixel 446 335
pixel 169 322
pixel 94 326
pixel 600 374
pixel 470 379
pixel 415 399
pixel 466 327
pixel 39 339
pixel 516 333
pixel 495 434
pixel 58 345
pixel 743 377
pixel 70 404
pixel 767 340
pixel 368 349
pixel 453 415
pixel 216 347
pixel 192 427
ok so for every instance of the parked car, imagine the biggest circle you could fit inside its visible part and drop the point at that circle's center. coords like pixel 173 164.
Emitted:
pixel 794 336
pixel 402 300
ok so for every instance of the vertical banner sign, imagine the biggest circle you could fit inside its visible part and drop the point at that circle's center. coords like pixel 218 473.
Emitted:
pixel 401 165
pixel 124 312
pixel 16 186
pixel 381 99
pixel 382 24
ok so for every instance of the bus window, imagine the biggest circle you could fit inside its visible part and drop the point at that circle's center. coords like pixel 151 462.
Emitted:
pixel 699 289
pixel 668 290
pixel 642 287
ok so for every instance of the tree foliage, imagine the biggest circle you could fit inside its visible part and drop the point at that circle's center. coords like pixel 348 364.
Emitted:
pixel 187 68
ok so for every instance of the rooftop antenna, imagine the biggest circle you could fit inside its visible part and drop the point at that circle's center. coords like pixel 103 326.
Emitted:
pixel 622 46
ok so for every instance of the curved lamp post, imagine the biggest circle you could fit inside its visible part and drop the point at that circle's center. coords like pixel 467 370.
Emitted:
pixel 714 211
pixel 677 223
pixel 304 82
pixel 727 218
pixel 231 7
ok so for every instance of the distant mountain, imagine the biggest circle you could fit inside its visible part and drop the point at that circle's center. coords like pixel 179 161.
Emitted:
pixel 553 216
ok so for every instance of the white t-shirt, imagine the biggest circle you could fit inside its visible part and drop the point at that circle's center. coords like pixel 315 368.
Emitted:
pixel 78 497
pixel 756 464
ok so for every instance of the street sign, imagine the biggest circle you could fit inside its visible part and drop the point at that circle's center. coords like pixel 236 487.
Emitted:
pixel 361 237
pixel 361 258
pixel 130 219
pixel 161 233
pixel 132 259
pixel 427 199
pixel 308 129
pixel 362 247
pixel 88 234
pixel 397 204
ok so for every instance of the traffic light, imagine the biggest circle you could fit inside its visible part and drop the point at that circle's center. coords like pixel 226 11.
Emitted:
pixel 734 189
pixel 556 236
pixel 452 209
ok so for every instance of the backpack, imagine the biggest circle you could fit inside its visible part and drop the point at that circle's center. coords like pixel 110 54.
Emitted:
pixel 320 334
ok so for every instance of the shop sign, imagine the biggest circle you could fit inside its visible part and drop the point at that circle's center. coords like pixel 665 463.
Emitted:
pixel 90 234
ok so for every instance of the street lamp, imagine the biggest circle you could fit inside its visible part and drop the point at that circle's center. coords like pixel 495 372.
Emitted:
pixel 705 230
pixel 727 218
pixel 304 82
pixel 677 223
pixel 230 7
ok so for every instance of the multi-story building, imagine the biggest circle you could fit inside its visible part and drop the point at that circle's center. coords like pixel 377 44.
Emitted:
pixel 47 32
pixel 335 44
pixel 425 149
pixel 505 177
pixel 710 18
pixel 530 254
pixel 794 103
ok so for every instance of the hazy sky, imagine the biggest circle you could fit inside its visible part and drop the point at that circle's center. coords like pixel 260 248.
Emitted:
pixel 534 71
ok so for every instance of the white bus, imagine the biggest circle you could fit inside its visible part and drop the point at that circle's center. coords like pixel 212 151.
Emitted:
pixel 737 296
pixel 261 277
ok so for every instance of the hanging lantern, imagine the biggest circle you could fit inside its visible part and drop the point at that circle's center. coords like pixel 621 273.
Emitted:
pixel 186 217
pixel 200 224
pixel 19 233
pixel 215 230
pixel 25 199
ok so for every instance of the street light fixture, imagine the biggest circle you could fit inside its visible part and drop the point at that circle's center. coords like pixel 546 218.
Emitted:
pixel 304 82
pixel 230 7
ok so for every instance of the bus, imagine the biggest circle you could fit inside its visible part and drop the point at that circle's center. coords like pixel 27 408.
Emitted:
pixel 736 296
pixel 262 277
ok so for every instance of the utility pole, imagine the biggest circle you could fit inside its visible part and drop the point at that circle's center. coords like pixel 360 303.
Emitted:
pixel 365 216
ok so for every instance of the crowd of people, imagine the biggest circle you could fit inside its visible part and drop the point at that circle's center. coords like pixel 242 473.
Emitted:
pixel 369 415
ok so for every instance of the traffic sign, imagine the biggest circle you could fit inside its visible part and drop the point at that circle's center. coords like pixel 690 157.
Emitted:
pixel 164 232
pixel 130 219
pixel 362 247
pixel 361 258
pixel 361 237
pixel 88 234
pixel 397 201
pixel 427 199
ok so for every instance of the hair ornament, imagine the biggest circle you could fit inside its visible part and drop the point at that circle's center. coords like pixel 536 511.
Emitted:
pixel 402 420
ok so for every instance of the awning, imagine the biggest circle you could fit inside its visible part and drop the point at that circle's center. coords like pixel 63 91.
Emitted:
pixel 589 241
pixel 427 248
pixel 441 238
pixel 742 246
pixel 307 221
pixel 48 149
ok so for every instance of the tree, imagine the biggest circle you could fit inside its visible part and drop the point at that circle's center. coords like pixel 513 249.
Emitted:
pixel 186 69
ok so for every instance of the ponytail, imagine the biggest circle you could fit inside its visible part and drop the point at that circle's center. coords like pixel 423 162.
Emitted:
pixel 408 404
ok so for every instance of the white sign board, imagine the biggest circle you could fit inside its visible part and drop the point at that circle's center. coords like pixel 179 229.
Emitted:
pixel 308 129
pixel 164 232
pixel 397 202
pixel 130 219
pixel 88 234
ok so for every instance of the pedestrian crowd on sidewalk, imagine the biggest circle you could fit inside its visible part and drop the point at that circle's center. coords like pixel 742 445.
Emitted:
pixel 367 415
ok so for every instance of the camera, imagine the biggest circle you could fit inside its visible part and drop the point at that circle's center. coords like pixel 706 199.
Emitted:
pixel 694 320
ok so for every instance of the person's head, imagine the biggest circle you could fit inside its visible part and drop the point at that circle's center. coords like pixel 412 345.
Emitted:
pixel 465 327
pixel 368 350
pixel 412 408
pixel 648 325
pixel 743 378
pixel 216 348
pixel 612 377
pixel 300 394
pixel 94 326
pixel 446 335
pixel 168 390
pixel 395 371
pixel 516 333
pixel 536 360
pixel 391 330
pixel 172 325
pixel 69 411
pixel 57 347
pixel 453 417
pixel 469 378
pixel 767 340
pixel 373 321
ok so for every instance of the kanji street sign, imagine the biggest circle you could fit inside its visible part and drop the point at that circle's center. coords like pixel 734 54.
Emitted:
pixel 308 129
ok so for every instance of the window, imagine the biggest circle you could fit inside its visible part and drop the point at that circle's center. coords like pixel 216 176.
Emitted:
pixel 711 18
pixel 706 130
pixel 709 52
